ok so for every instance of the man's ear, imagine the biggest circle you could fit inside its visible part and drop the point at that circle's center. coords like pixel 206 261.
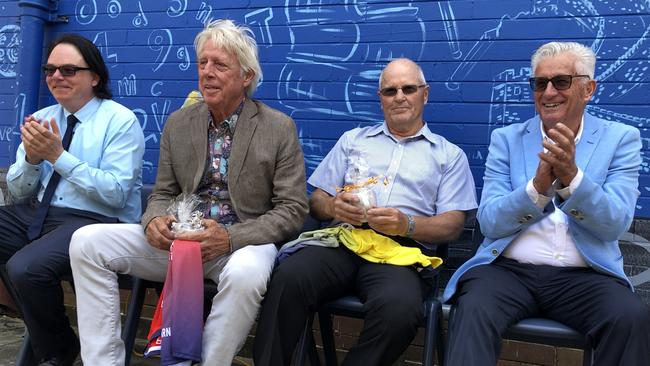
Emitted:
pixel 590 89
pixel 248 77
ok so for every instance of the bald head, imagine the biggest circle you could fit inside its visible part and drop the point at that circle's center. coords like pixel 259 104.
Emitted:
pixel 405 64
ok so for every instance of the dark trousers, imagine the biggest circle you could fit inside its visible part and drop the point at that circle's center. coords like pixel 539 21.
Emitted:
pixel 392 298
pixel 492 297
pixel 35 270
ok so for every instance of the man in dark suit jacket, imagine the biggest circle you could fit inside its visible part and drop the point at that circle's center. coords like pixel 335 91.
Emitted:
pixel 244 161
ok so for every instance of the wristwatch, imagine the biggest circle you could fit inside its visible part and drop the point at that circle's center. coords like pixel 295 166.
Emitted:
pixel 411 226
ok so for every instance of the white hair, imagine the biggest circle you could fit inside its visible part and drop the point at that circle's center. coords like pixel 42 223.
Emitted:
pixel 237 39
pixel 585 56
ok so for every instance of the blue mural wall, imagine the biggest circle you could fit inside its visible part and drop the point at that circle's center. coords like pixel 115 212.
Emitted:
pixel 322 58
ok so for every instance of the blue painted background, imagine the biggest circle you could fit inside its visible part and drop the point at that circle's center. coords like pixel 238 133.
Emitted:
pixel 321 61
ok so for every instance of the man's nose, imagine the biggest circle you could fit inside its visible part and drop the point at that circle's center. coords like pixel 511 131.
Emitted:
pixel 550 88
pixel 400 94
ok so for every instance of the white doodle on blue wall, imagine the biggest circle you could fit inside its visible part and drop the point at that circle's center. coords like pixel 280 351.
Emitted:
pixel 113 8
pixel 177 8
pixel 127 86
pixel 9 46
pixel 85 11
pixel 161 41
pixel 140 20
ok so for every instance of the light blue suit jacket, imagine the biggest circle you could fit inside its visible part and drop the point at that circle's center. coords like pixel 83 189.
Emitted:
pixel 599 211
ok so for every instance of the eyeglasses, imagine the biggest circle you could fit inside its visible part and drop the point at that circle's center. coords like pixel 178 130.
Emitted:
pixel 65 70
pixel 560 82
pixel 406 89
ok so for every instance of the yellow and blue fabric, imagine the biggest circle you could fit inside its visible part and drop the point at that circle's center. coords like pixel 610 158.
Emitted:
pixel 366 243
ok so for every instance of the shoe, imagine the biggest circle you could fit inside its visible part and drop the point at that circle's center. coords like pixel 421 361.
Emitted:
pixel 67 358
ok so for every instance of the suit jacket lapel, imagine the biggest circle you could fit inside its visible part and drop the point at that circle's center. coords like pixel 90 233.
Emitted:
pixel 532 145
pixel 246 125
pixel 199 136
pixel 591 132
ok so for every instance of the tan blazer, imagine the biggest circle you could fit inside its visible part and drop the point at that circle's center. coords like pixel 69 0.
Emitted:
pixel 266 171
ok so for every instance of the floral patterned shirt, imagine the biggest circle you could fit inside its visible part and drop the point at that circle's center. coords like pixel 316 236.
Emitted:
pixel 213 187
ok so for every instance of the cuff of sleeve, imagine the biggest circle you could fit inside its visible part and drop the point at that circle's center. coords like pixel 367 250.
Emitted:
pixel 65 163
pixel 538 199
pixel 566 192
pixel 229 238
pixel 29 169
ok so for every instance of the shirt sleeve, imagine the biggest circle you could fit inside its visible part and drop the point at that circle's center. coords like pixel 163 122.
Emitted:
pixel 566 192
pixel 23 178
pixel 457 191
pixel 330 173
pixel 118 169
pixel 540 200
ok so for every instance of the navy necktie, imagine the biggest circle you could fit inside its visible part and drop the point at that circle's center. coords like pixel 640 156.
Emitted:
pixel 36 226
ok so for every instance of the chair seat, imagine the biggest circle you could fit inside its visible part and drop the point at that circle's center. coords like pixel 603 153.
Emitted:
pixel 540 330
pixel 347 306
pixel 546 331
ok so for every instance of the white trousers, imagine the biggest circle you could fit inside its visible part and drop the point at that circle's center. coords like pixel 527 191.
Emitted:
pixel 99 252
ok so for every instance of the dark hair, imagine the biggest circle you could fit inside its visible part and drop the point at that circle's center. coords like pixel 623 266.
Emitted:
pixel 93 58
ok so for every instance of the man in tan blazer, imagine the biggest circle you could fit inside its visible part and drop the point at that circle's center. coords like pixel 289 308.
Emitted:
pixel 244 162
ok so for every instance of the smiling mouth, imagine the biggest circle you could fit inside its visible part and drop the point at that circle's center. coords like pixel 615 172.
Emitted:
pixel 551 105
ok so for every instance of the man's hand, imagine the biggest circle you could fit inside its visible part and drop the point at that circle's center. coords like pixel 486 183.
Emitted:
pixel 345 207
pixel 544 176
pixel 214 239
pixel 562 154
pixel 387 220
pixel 158 232
pixel 39 142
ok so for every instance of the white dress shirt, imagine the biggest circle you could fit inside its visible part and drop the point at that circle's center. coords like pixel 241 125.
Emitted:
pixel 548 241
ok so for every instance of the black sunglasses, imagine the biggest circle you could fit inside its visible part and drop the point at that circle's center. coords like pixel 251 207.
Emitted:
pixel 406 89
pixel 65 70
pixel 560 82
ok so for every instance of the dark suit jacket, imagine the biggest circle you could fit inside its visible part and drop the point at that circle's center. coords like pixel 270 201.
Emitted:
pixel 266 171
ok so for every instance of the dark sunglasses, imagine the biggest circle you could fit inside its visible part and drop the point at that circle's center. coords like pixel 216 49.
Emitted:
pixel 406 89
pixel 65 70
pixel 560 82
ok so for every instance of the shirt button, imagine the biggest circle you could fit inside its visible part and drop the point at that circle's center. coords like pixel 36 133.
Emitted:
pixel 574 212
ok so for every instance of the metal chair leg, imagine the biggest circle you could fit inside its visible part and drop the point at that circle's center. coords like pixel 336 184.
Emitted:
pixel 134 309
pixel 307 346
pixel 327 333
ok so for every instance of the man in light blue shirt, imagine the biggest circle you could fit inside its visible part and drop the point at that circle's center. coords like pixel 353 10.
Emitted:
pixel 79 163
pixel 423 192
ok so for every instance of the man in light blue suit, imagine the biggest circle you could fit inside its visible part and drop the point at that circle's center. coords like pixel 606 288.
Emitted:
pixel 559 189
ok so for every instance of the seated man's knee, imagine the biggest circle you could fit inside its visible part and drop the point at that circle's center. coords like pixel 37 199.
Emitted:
pixel 24 270
pixel 396 309
pixel 83 243
pixel 632 317
pixel 248 272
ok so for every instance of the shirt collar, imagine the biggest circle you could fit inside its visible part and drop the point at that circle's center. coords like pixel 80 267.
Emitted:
pixel 230 121
pixel 578 135
pixel 85 112
pixel 424 132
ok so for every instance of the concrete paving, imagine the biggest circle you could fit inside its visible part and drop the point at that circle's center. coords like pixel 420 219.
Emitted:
pixel 11 338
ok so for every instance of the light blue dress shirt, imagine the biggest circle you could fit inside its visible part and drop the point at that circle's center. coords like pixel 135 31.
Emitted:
pixel 426 175
pixel 102 170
